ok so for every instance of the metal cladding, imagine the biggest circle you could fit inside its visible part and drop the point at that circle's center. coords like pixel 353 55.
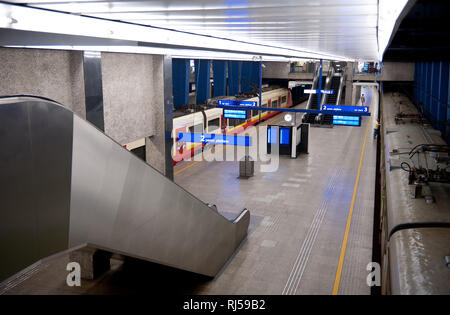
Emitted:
pixel 65 184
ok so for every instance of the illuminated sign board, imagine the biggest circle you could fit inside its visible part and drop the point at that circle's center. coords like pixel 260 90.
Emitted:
pixel 215 138
pixel 237 103
pixel 347 120
pixel 235 113
pixel 284 132
pixel 356 109
pixel 316 91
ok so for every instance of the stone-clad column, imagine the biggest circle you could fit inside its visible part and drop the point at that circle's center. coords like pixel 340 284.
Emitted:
pixel 349 84
pixel 159 146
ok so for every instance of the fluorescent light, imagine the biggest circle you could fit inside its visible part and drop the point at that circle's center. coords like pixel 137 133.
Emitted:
pixel 31 19
pixel 175 53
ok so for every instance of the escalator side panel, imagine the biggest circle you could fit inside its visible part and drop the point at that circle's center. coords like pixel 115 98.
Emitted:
pixel 35 159
pixel 122 205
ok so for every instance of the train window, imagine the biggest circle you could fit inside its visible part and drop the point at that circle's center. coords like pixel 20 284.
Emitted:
pixel 283 99
pixel 213 124
pixel 264 105
pixel 275 103
pixel 235 122
pixel 196 128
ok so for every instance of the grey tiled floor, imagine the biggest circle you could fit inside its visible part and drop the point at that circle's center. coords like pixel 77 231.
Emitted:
pixel 295 234
pixel 303 209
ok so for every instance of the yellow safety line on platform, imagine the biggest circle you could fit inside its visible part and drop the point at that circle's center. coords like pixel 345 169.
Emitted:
pixel 184 168
pixel 337 279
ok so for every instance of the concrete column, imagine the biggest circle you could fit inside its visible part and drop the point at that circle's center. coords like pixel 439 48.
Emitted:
pixel 159 146
pixel 55 74
pixel 349 84
pixel 202 81
pixel 354 96
pixel 180 80
pixel 220 77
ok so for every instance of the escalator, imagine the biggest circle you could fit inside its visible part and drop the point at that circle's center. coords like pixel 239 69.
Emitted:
pixel 314 103
pixel 64 184
pixel 331 99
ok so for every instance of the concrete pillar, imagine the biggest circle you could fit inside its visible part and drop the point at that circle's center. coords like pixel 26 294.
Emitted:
pixel 220 77
pixel 180 80
pixel 349 84
pixel 234 77
pixel 202 81
pixel 55 74
pixel 159 146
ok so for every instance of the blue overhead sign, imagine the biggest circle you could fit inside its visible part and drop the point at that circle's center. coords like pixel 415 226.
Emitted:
pixel 237 103
pixel 344 108
pixel 235 113
pixel 215 138
pixel 316 91
pixel 347 120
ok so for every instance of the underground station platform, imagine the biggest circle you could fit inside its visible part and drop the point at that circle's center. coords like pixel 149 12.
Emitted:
pixel 302 210
pixel 224 155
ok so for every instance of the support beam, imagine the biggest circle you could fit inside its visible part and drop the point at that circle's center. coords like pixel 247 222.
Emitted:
pixel 249 76
pixel 444 109
pixel 92 65
pixel 349 83
pixel 180 80
pixel 319 96
pixel 202 80
pixel 434 97
pixel 220 77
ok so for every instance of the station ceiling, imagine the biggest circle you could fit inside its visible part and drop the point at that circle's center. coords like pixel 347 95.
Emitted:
pixel 423 33
pixel 344 29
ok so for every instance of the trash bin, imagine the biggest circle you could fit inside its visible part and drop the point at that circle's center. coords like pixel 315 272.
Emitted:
pixel 246 167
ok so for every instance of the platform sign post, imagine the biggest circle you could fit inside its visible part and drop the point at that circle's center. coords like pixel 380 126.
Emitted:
pixel 215 138
pixel 320 83
pixel 346 120
pixel 236 113
pixel 260 88
pixel 316 91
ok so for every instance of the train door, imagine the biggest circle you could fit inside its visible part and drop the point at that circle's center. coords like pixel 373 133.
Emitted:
pixel 179 145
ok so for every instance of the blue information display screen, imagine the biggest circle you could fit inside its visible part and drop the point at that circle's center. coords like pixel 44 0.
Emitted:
pixel 237 103
pixel 272 135
pixel 347 120
pixel 285 135
pixel 356 109
pixel 235 113
pixel 215 138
